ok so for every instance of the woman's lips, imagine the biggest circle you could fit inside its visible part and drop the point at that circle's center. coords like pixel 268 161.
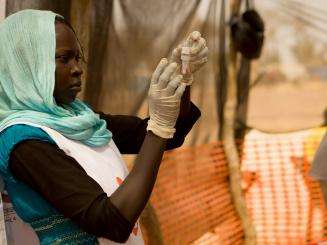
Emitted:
pixel 77 87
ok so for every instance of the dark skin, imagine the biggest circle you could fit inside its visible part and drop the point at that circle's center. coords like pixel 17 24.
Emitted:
pixel 68 65
pixel 69 70
pixel 144 173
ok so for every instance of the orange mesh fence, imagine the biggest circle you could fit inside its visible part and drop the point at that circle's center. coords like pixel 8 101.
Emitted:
pixel 194 206
pixel 286 204
pixel 192 198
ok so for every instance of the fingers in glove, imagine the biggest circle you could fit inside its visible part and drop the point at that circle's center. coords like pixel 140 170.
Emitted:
pixel 158 71
pixel 198 46
pixel 176 54
pixel 172 86
pixel 195 65
pixel 180 90
pixel 202 54
pixel 193 37
pixel 165 77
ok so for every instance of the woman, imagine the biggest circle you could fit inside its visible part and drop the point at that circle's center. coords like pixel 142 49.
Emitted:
pixel 60 161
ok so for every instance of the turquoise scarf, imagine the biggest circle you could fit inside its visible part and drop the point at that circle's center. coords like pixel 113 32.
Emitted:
pixel 27 79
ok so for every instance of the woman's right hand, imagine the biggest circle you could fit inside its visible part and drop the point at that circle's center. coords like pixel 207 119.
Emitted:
pixel 164 96
pixel 164 101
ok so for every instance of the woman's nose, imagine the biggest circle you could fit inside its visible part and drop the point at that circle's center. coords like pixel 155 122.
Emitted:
pixel 76 69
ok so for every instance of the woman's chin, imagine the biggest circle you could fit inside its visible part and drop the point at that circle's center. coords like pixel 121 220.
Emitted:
pixel 72 97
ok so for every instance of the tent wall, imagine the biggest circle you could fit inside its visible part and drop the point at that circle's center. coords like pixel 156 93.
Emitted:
pixel 123 42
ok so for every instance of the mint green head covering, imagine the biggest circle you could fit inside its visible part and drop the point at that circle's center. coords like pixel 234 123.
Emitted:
pixel 27 80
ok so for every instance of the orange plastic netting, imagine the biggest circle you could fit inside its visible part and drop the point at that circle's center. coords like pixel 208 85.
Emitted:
pixel 194 205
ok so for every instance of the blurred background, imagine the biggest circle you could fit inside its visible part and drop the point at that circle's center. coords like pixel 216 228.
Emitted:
pixel 280 113
pixel 124 40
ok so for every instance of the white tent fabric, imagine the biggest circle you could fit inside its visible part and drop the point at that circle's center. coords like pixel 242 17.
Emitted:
pixel 2 9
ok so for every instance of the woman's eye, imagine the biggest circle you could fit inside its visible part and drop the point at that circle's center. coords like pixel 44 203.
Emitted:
pixel 63 59
pixel 78 58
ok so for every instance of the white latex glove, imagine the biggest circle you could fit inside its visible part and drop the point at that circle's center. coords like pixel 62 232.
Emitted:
pixel 164 97
pixel 191 55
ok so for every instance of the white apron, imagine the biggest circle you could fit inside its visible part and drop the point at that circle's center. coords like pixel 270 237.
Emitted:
pixel 104 164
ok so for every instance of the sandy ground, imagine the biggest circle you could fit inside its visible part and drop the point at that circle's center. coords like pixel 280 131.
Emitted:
pixel 287 106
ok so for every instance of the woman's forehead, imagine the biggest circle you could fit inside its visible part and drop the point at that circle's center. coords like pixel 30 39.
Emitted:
pixel 65 37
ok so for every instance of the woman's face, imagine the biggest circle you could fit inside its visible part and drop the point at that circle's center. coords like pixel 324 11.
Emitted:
pixel 68 67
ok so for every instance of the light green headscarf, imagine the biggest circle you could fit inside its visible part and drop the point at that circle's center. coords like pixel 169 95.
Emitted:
pixel 27 79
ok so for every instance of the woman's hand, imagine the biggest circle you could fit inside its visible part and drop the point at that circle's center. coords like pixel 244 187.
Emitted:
pixel 164 101
pixel 191 55
pixel 164 96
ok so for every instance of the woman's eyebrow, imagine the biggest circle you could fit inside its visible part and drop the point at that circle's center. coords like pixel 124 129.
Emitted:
pixel 67 51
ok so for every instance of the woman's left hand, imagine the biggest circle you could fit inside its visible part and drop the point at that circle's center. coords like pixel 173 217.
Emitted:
pixel 191 55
